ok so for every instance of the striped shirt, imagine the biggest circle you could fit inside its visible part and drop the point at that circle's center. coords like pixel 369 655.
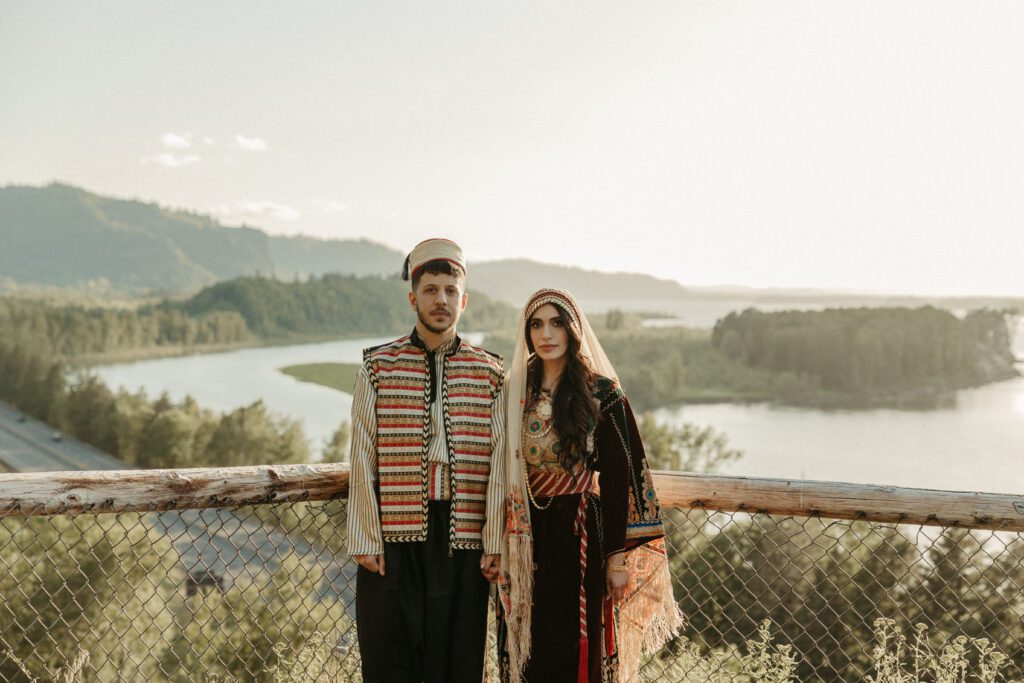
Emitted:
pixel 364 527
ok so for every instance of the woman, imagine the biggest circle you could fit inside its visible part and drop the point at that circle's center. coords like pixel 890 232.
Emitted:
pixel 585 581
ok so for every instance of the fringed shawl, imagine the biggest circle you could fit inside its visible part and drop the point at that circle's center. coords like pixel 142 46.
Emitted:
pixel 648 615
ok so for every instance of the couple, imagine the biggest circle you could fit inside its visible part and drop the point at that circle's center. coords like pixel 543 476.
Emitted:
pixel 536 482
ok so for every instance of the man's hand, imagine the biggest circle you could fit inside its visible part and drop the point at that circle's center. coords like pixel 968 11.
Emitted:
pixel 373 563
pixel 490 566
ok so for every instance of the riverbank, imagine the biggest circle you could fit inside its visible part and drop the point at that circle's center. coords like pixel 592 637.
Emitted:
pixel 337 376
pixel 689 371
pixel 181 350
pixel 974 443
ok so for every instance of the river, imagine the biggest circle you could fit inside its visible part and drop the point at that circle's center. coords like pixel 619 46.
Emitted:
pixel 976 445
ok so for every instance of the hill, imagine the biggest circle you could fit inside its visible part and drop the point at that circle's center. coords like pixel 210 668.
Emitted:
pixel 94 248
pixel 311 256
pixel 326 306
pixel 514 280
pixel 68 237
pixel 61 235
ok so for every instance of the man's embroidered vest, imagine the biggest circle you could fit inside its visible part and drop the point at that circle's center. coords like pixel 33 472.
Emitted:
pixel 400 375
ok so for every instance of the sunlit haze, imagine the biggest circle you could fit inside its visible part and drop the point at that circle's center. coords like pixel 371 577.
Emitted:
pixel 842 145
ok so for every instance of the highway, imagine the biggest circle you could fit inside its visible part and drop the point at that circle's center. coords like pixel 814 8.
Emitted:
pixel 227 542
pixel 27 445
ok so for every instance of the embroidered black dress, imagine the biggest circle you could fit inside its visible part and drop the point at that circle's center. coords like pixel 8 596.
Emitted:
pixel 562 506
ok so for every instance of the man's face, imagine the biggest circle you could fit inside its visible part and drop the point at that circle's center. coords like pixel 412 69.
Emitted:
pixel 439 301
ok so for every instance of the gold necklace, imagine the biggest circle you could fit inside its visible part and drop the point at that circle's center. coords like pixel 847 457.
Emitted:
pixel 541 426
pixel 543 405
pixel 529 491
pixel 526 471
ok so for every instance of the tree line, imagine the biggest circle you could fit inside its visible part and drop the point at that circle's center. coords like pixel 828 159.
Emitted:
pixel 849 357
pixel 328 305
pixel 71 331
pixel 872 351
pixel 245 310
pixel 856 357
pixel 148 433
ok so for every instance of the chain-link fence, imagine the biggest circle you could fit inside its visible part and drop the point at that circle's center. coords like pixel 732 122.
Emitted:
pixel 262 592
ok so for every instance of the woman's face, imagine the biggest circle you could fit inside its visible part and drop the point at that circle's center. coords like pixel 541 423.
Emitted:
pixel 548 333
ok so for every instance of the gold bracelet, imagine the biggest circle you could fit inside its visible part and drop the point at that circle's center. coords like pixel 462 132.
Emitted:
pixel 618 568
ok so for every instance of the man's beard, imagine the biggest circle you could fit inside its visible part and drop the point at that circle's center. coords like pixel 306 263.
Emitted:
pixel 429 324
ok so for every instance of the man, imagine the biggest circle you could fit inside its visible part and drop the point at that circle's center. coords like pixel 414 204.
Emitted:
pixel 427 491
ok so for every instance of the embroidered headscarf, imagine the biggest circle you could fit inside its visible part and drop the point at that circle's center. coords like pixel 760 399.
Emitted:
pixel 654 617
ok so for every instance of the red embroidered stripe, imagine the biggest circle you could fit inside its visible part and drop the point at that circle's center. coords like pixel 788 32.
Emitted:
pixel 407 481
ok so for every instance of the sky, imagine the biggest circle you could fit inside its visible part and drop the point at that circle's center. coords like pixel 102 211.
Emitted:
pixel 872 146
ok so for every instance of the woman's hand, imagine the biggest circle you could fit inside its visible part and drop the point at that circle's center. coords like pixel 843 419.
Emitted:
pixel 616 577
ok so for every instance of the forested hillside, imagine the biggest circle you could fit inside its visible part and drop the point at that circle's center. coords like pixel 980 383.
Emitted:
pixel 72 331
pixel 329 305
pixel 65 236
pixel 851 358
pixel 870 351
pixel 243 311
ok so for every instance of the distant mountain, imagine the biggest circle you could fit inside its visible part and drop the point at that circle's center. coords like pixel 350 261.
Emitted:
pixel 306 256
pixel 514 280
pixel 64 236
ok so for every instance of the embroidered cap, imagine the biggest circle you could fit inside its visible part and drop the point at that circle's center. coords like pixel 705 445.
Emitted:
pixel 436 249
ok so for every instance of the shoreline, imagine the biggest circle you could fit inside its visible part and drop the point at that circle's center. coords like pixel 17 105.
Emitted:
pixel 179 351
pixel 913 401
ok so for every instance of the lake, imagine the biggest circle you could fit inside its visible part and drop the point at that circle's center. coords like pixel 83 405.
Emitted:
pixel 225 381
pixel 976 445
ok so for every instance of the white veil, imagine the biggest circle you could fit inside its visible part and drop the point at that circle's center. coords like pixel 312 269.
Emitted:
pixel 517 554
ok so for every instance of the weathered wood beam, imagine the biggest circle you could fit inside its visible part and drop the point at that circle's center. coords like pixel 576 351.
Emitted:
pixel 835 500
pixel 145 490
pixel 40 493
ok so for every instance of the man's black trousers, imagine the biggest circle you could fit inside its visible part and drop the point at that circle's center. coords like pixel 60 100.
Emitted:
pixel 426 618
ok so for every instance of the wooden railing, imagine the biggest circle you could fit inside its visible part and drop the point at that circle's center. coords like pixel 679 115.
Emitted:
pixel 145 490
pixel 821 562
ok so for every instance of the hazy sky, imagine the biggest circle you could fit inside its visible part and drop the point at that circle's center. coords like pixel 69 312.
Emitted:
pixel 863 145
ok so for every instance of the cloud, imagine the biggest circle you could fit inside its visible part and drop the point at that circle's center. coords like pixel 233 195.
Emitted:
pixel 175 141
pixel 251 144
pixel 208 141
pixel 333 206
pixel 258 209
pixel 170 160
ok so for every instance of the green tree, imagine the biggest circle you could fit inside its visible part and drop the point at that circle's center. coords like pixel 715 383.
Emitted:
pixel 245 631
pixel 336 450
pixel 251 435
pixel 686 448
pixel 89 413
pixel 101 582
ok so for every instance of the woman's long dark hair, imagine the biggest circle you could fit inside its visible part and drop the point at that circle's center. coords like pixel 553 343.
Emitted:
pixel 575 412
